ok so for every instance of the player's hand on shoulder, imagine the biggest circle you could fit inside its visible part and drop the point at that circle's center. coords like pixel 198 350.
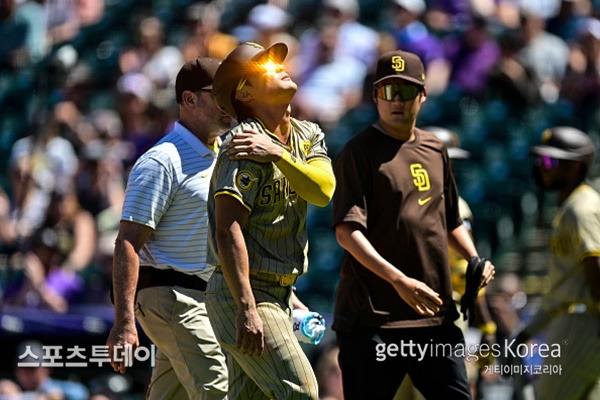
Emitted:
pixel 121 335
pixel 252 145
pixel 488 274
pixel 249 332
pixel 418 295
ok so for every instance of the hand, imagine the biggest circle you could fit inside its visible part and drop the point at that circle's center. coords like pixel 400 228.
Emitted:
pixel 488 274
pixel 419 296
pixel 121 334
pixel 297 304
pixel 252 145
pixel 249 329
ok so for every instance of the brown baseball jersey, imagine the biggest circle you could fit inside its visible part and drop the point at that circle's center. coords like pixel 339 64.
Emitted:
pixel 404 198
pixel 275 233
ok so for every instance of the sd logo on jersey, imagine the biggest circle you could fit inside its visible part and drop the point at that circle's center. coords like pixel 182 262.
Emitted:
pixel 421 176
pixel 244 180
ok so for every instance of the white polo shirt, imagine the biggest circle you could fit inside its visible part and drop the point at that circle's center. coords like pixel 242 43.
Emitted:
pixel 168 191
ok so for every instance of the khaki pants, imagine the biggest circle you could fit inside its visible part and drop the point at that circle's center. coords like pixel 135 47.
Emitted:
pixel 283 370
pixel 189 361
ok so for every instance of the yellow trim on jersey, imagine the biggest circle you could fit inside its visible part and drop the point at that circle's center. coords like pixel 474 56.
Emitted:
pixel 215 146
pixel 314 181
pixel 586 254
pixel 234 195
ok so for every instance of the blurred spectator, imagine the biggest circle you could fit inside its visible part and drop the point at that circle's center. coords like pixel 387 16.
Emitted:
pixel 38 163
pixel 206 40
pixel 130 60
pixel 8 224
pixel 160 63
pixel 13 30
pixel 269 24
pixel 89 12
pixel 511 82
pixel 37 41
pixel 581 84
pixel 332 87
pixel 135 91
pixel 62 20
pixel 100 179
pixel 546 53
pixel 472 54
pixel 565 23
pixel 36 379
pixel 354 39
pixel 9 390
pixel 55 253
pixel 412 35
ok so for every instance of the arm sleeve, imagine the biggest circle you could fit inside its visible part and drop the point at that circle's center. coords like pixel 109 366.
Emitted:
pixel 313 181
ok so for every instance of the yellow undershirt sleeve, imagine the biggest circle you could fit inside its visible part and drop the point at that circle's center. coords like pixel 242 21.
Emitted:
pixel 313 181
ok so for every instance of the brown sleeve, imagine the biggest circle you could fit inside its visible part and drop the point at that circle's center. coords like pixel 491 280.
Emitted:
pixel 353 184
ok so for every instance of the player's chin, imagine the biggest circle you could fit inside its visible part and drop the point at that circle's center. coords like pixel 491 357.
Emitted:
pixel 289 84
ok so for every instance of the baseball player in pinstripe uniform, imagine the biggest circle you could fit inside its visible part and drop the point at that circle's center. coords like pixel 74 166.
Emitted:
pixel 257 213
pixel 571 309
pixel 160 268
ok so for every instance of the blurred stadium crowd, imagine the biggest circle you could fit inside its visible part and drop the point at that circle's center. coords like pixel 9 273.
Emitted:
pixel 86 86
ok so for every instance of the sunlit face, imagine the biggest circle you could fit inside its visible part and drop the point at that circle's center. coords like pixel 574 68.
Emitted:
pixel 269 83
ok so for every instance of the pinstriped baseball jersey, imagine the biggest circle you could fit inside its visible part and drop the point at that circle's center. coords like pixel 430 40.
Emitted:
pixel 575 235
pixel 168 191
pixel 275 233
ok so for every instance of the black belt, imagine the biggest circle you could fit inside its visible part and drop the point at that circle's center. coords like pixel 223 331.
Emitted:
pixel 151 277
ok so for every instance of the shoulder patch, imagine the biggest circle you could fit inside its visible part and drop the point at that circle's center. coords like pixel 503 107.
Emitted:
pixel 244 180
pixel 305 147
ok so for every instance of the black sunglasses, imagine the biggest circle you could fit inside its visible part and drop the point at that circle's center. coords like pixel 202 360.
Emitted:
pixel 406 92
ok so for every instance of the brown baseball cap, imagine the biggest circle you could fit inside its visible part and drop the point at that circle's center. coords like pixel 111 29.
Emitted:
pixel 242 61
pixel 400 64
pixel 195 75
pixel 566 143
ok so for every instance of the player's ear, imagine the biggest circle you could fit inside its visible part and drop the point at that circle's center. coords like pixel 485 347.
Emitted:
pixel 243 95
pixel 375 94
pixel 189 98
pixel 423 95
